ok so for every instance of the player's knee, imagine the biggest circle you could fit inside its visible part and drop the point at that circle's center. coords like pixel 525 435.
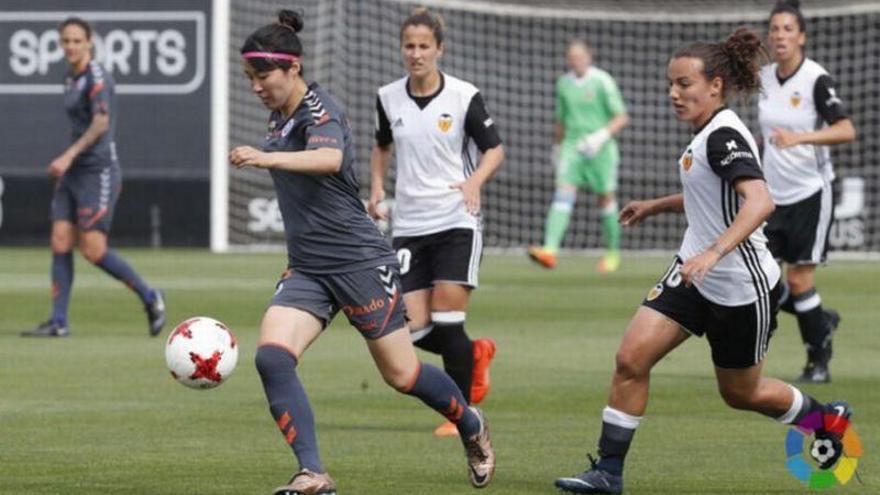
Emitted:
pixel 798 284
pixel 271 359
pixel 400 378
pixel 61 243
pixel 629 365
pixel 738 397
pixel 563 199
pixel 93 252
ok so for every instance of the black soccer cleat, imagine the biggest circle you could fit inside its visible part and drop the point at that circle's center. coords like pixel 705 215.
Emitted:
pixel 832 317
pixel 156 312
pixel 827 446
pixel 815 373
pixel 48 328
pixel 593 480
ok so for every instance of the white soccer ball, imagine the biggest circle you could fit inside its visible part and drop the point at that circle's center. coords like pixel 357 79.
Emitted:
pixel 823 450
pixel 201 352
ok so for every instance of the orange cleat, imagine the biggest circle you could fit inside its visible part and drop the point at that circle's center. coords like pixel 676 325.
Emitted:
pixel 609 263
pixel 484 351
pixel 446 429
pixel 543 257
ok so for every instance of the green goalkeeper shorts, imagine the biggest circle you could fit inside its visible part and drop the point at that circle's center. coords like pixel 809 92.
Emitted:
pixel 599 174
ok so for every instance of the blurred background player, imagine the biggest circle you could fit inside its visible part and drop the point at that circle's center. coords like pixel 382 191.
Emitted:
pixel 590 111
pixel 88 183
pixel 723 283
pixel 801 114
pixel 337 261
pixel 438 126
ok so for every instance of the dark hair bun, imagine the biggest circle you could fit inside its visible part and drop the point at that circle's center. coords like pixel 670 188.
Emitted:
pixel 291 19
pixel 793 4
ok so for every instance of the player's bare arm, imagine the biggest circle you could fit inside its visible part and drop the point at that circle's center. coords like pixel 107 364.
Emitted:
pixel 756 207
pixel 99 126
pixel 319 161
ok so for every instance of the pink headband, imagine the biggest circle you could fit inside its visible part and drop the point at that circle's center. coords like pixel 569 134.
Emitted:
pixel 277 56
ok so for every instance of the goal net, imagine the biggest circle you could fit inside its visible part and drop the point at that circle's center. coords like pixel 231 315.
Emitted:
pixel 514 51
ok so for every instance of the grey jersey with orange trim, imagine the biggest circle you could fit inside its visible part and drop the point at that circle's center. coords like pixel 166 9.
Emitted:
pixel 325 222
pixel 86 94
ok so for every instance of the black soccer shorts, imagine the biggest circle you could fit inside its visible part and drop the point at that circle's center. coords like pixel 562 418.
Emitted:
pixel 449 256
pixel 798 233
pixel 739 336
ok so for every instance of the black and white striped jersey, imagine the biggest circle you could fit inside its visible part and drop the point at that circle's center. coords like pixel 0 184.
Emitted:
pixel 803 102
pixel 437 140
pixel 721 152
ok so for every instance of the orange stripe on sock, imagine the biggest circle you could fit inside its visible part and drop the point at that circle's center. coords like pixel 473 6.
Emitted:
pixel 284 420
pixel 291 435
pixel 454 412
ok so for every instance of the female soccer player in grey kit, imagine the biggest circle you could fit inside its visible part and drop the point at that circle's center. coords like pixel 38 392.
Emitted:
pixel 801 114
pixel 337 261
pixel 723 283
pixel 88 182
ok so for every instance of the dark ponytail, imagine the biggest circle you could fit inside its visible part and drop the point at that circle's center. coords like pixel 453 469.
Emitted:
pixel 792 7
pixel 736 60
pixel 280 38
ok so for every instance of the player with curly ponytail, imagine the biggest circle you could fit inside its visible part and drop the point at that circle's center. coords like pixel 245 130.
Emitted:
pixel 801 114
pixel 338 261
pixel 723 283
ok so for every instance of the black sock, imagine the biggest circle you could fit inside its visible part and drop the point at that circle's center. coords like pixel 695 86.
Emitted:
pixel 815 328
pixel 432 342
pixel 802 406
pixel 458 354
pixel 786 301
pixel 615 440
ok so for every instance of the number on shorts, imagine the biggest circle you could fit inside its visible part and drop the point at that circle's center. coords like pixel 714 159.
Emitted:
pixel 404 256
pixel 673 275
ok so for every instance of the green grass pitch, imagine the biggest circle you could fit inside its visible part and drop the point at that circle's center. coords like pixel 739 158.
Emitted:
pixel 98 413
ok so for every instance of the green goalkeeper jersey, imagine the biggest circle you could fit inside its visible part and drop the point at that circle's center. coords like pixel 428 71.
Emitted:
pixel 587 104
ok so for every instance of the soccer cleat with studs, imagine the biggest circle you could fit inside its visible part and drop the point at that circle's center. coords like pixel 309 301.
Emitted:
pixel 156 312
pixel 480 456
pixel 484 352
pixel 542 256
pixel 306 482
pixel 827 446
pixel 593 480
pixel 48 328
pixel 815 373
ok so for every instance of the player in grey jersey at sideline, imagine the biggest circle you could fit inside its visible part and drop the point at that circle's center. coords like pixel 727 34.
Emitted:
pixel 87 186
pixel 337 261
pixel 723 283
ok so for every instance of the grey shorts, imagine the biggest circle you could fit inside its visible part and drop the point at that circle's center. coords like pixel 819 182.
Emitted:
pixel 87 198
pixel 370 298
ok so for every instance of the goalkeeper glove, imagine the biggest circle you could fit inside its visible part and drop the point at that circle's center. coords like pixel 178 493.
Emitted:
pixel 591 144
